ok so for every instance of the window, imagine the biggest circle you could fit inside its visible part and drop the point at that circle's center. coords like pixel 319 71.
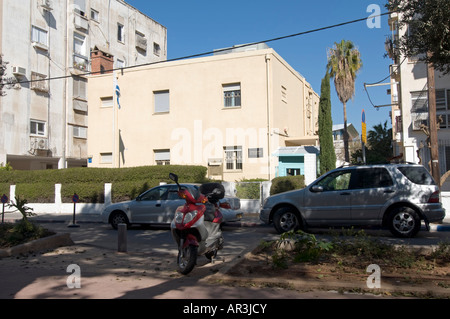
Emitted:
pixel 106 158
pixel 255 152
pixel 232 95
pixel 79 132
pixel 336 181
pixel 37 128
pixel 120 63
pixel 80 59
pixel 156 49
pixel 107 101
pixel 283 94
pixel 373 178
pixel 39 36
pixel 419 110
pixel 120 33
pixel 79 88
pixel 158 193
pixel 141 41
pixel 79 44
pixel 419 102
pixel 162 101
pixel 233 157
pixel 80 7
pixel 162 157
pixel 94 15
pixel 292 171
pixel 417 175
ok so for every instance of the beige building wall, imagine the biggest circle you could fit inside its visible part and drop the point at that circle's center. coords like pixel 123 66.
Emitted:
pixel 198 128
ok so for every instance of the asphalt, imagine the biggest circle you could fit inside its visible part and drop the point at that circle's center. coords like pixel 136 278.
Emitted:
pixel 149 273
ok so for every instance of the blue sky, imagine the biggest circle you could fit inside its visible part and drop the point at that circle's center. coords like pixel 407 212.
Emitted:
pixel 198 26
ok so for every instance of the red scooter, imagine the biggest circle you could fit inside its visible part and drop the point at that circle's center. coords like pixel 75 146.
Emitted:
pixel 196 225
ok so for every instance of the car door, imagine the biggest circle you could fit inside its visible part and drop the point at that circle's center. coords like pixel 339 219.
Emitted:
pixel 328 201
pixel 148 207
pixel 372 188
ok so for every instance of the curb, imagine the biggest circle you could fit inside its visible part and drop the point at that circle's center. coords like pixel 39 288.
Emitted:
pixel 440 227
pixel 41 244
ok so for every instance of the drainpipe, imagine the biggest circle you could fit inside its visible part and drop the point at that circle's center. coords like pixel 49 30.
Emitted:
pixel 66 54
pixel 268 113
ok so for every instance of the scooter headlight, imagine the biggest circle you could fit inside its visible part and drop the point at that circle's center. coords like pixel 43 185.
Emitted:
pixel 190 216
pixel 178 217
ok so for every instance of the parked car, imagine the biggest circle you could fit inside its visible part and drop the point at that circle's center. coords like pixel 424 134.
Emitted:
pixel 157 206
pixel 395 196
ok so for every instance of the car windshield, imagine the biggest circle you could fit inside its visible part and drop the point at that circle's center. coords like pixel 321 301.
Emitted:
pixel 416 174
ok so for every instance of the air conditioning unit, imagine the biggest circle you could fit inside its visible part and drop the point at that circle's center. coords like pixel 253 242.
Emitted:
pixel 18 71
pixel 41 144
pixel 47 5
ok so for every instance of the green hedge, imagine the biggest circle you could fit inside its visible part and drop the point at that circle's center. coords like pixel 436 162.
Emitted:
pixel 39 186
pixel 287 183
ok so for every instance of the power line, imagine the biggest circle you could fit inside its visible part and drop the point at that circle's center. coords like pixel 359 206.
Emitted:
pixel 375 83
pixel 209 52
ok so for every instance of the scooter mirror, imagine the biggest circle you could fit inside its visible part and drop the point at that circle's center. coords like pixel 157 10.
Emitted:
pixel 173 177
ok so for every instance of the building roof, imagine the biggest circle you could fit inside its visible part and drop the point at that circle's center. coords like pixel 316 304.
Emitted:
pixel 350 129
pixel 296 150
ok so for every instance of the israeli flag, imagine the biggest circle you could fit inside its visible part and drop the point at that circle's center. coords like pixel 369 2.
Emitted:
pixel 116 89
pixel 118 94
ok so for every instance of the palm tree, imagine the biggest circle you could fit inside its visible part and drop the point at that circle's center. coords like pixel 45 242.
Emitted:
pixel 344 61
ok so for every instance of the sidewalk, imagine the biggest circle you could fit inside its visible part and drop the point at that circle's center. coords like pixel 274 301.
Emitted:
pixel 249 220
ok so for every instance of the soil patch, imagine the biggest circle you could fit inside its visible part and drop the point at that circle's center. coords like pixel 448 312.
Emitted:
pixel 356 265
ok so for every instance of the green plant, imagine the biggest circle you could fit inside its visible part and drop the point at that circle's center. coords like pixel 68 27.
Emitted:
pixel 287 183
pixel 305 247
pixel 39 186
pixel 442 252
pixel 6 167
pixel 23 230
pixel 248 189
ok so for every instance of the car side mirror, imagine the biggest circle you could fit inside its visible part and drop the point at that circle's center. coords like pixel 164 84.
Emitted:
pixel 317 189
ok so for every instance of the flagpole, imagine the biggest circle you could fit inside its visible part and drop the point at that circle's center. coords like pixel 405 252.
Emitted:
pixel 114 121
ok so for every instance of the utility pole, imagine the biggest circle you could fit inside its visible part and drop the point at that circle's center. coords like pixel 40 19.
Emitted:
pixel 434 147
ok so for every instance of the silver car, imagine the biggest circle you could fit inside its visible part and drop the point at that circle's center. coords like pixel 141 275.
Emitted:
pixel 395 196
pixel 157 206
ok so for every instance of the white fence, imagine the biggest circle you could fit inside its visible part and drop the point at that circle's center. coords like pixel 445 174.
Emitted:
pixel 231 188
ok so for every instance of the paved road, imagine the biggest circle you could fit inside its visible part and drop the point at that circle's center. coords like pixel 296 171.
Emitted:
pixel 147 270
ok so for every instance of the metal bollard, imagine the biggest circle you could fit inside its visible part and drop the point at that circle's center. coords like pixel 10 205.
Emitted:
pixel 122 238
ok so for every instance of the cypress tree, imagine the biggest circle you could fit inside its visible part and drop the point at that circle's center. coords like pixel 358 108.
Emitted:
pixel 327 155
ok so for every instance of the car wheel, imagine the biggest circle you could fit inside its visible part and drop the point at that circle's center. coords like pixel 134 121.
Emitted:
pixel 118 218
pixel 404 222
pixel 286 219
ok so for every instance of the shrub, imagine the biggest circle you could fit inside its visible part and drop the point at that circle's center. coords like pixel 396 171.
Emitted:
pixel 39 186
pixel 287 183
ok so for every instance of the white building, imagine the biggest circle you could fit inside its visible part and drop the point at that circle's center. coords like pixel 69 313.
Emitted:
pixel 43 124
pixel 410 106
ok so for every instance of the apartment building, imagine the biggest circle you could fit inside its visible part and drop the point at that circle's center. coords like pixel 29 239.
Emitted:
pixel 236 112
pixel 48 46
pixel 409 96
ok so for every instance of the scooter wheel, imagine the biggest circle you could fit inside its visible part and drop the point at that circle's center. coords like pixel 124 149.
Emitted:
pixel 187 259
